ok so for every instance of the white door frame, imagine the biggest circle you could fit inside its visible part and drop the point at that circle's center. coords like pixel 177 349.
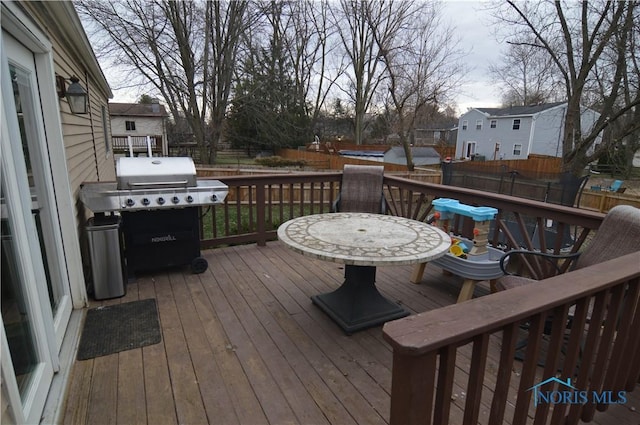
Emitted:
pixel 28 408
pixel 469 149
pixel 60 214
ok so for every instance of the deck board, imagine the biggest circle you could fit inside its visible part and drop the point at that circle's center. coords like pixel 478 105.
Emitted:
pixel 243 344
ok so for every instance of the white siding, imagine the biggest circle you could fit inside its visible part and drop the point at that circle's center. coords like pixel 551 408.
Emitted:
pixel 547 135
pixel 145 126
pixel 487 137
pixel 539 133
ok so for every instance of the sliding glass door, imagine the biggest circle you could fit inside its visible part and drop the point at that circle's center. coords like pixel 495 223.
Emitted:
pixel 35 298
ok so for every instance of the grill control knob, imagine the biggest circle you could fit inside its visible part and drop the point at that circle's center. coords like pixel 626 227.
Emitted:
pixel 214 198
pixel 145 201
pixel 161 201
pixel 189 199
pixel 130 202
pixel 175 200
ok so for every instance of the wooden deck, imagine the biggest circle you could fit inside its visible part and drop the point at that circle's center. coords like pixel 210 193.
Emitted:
pixel 243 344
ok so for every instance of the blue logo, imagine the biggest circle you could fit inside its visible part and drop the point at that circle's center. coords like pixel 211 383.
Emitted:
pixel 566 393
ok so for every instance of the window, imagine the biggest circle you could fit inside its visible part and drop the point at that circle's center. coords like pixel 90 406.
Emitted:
pixel 493 124
pixel 478 124
pixel 517 149
pixel 465 124
pixel 130 125
pixel 516 124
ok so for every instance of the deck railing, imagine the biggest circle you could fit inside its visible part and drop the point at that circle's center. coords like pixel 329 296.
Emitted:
pixel 583 326
pixel 588 320
pixel 137 144
pixel 257 205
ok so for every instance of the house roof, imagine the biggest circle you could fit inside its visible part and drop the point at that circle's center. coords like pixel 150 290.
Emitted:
pixel 439 126
pixel 519 110
pixel 137 109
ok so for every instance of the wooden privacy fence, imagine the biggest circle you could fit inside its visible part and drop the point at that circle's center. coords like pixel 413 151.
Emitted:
pixel 333 162
pixel 604 201
pixel 534 165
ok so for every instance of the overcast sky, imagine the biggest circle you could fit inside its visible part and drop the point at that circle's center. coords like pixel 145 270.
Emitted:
pixel 473 27
pixel 475 31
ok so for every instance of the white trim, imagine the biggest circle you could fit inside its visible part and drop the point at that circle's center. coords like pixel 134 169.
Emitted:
pixel 513 151
pixel 22 28
pixel 60 174
pixel 8 379
pixel 54 408
pixel 532 132
pixel 19 25
pixel 465 148
pixel 513 124
pixel 26 245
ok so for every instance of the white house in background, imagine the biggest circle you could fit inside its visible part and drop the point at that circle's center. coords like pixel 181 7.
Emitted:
pixel 515 132
pixel 48 150
pixel 139 120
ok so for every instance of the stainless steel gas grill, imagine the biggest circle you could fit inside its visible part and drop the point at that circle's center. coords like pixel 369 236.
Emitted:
pixel 158 199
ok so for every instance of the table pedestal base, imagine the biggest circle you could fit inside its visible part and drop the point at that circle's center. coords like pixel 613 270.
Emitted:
pixel 357 304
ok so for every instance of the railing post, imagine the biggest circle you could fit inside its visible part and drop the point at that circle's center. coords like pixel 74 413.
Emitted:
pixel 260 214
pixel 412 388
pixel 130 143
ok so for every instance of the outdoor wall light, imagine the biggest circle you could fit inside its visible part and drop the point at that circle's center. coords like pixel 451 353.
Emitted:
pixel 76 95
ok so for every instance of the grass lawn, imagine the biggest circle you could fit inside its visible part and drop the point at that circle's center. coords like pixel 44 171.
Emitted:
pixel 234 161
pixel 245 221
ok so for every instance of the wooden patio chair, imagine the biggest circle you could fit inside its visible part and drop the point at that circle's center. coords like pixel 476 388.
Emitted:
pixel 361 190
pixel 618 235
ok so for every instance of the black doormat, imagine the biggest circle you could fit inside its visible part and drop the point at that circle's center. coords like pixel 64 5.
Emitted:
pixel 119 327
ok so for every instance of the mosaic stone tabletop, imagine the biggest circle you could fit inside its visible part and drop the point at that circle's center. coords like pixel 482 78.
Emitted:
pixel 363 239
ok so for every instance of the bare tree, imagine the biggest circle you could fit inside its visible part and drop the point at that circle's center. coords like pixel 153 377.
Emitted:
pixel 586 30
pixel 422 66
pixel 226 26
pixel 364 26
pixel 157 40
pixel 184 50
pixel 526 76
pixel 310 46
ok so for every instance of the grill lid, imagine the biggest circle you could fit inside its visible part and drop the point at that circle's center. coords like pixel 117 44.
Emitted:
pixel 155 172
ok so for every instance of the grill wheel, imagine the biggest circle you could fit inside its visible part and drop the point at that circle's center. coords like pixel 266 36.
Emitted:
pixel 199 265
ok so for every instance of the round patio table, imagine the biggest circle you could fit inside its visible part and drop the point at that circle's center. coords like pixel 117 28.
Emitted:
pixel 362 241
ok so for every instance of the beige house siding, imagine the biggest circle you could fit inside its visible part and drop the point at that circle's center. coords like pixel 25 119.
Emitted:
pixel 86 156
pixel 83 135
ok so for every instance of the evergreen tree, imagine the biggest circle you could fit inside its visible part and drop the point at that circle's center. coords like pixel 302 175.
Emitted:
pixel 266 111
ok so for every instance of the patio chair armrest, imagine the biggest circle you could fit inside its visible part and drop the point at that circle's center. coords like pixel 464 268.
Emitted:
pixel 552 259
